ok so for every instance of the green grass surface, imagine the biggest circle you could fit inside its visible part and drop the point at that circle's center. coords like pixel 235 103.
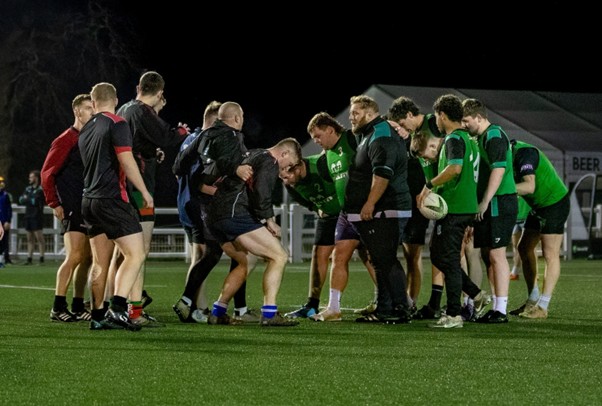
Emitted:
pixel 543 362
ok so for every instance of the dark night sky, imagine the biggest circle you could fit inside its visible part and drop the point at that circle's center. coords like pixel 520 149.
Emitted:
pixel 283 65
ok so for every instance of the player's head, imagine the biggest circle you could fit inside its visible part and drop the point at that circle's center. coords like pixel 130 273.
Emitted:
pixel 324 130
pixel 362 110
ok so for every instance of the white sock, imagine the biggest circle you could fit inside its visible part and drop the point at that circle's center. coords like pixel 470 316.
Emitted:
pixel 493 301
pixel 544 301
pixel 534 295
pixel 334 300
pixel 515 270
pixel 240 311
pixel 501 303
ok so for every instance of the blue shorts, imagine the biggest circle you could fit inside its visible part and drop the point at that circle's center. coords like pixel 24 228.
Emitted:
pixel 229 229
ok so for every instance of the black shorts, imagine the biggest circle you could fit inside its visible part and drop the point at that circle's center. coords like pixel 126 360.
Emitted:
pixel 415 230
pixel 550 219
pixel 34 223
pixel 195 235
pixel 495 230
pixel 325 229
pixel 228 229
pixel 112 217
pixel 73 220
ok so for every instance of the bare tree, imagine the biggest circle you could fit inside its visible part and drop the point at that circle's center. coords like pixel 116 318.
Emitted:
pixel 48 54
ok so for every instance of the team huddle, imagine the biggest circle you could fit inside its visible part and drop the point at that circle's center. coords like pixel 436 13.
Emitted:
pixel 367 188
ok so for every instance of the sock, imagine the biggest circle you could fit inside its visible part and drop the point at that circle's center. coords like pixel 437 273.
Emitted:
pixel 105 306
pixel 534 295
pixel 544 301
pixel 515 271
pixel 77 304
pixel 41 260
pixel 435 300
pixel 98 314
pixel 493 301
pixel 313 303
pixel 219 309
pixel 501 303
pixel 334 300
pixel 240 311
pixel 375 300
pixel 119 304
pixel 60 303
pixel 269 311
pixel 186 300
pixel 135 309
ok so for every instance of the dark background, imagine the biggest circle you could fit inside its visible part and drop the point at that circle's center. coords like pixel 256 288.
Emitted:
pixel 283 62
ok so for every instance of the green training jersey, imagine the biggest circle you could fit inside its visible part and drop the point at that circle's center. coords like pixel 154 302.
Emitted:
pixel 549 187
pixel 495 152
pixel 317 190
pixel 460 193
pixel 339 159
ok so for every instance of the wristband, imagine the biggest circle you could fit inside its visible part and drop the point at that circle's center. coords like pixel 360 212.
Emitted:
pixel 429 185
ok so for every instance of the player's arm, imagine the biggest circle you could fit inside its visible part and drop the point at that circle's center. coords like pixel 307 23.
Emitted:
pixel 130 168
pixel 526 162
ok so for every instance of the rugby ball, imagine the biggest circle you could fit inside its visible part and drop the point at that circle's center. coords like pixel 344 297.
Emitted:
pixel 434 207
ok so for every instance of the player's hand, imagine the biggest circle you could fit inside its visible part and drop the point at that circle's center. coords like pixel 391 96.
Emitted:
pixel 59 213
pixel 160 155
pixel 367 212
pixel 244 172
pixel 148 200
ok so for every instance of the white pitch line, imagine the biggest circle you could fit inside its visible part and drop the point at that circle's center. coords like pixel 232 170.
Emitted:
pixel 25 287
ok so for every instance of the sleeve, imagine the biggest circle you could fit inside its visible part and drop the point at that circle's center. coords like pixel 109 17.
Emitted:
pixel 160 133
pixel 186 158
pixel 121 137
pixel 383 156
pixel 496 147
pixel 24 198
pixel 454 150
pixel 265 173
pixel 226 152
pixel 526 162
pixel 57 155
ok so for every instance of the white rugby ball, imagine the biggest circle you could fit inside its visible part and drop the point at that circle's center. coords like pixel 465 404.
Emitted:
pixel 434 207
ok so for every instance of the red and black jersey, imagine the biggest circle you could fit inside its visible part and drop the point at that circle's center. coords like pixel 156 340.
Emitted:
pixel 149 132
pixel 62 172
pixel 100 140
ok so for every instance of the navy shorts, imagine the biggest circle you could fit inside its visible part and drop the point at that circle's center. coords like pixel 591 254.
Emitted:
pixel 345 230
pixel 228 229
pixel 325 230
pixel 550 219
pixel 495 230
pixel 112 217
pixel 73 220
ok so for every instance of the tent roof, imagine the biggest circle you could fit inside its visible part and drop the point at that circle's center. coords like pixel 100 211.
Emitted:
pixel 554 122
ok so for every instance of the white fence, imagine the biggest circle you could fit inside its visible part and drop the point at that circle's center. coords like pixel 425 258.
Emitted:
pixel 169 241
